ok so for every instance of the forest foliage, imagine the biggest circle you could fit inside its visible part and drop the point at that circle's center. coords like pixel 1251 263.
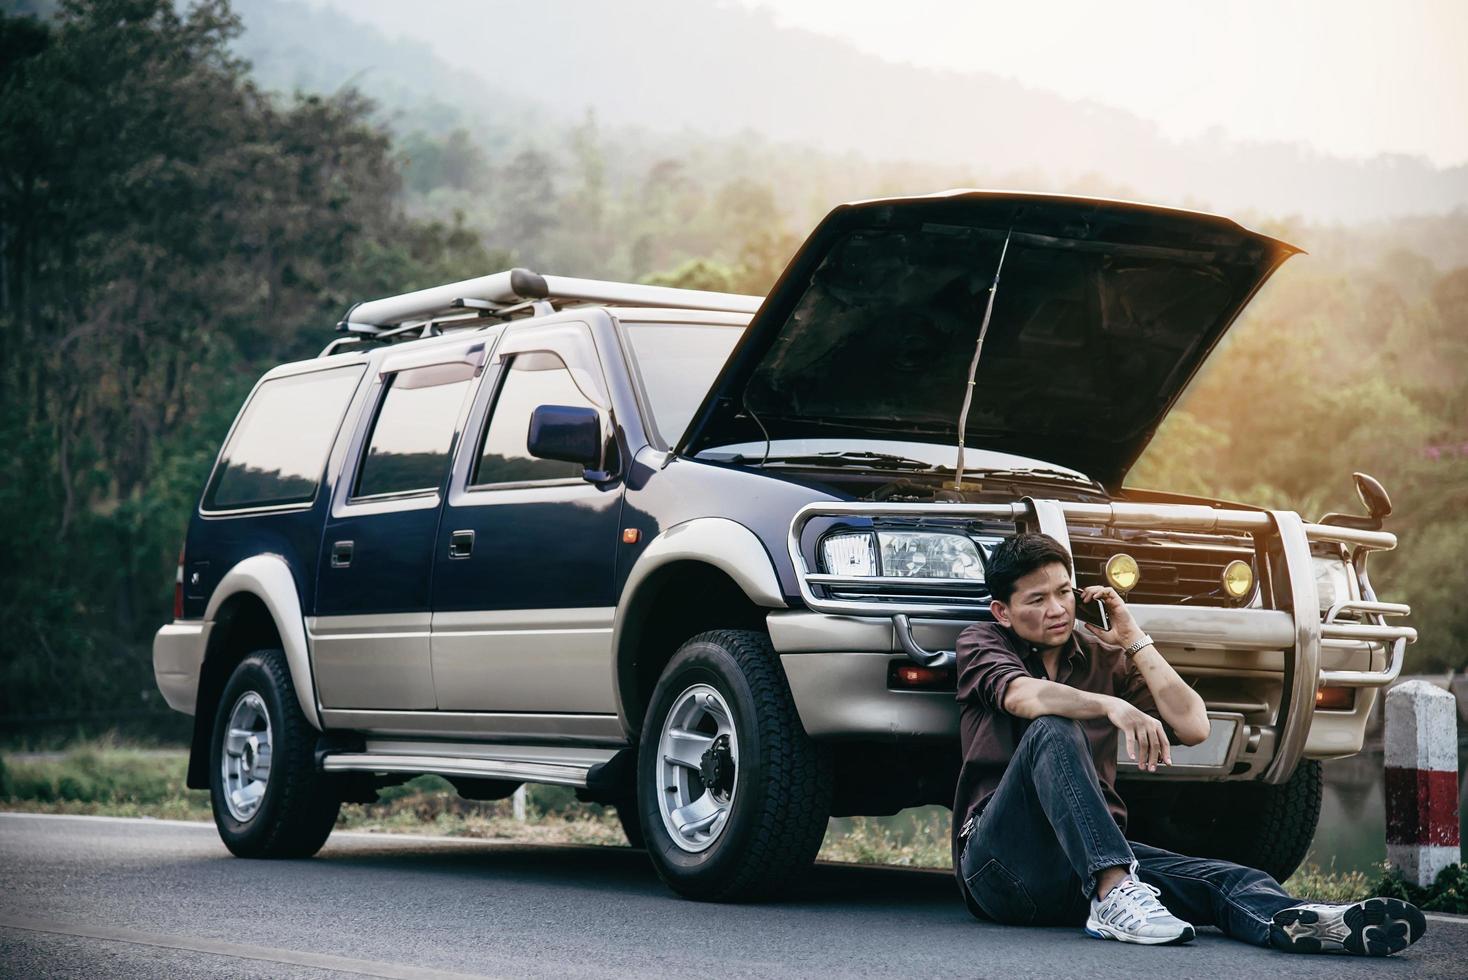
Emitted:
pixel 168 230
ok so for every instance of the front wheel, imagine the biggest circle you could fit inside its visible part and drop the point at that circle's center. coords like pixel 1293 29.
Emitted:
pixel 734 796
pixel 631 820
pixel 268 798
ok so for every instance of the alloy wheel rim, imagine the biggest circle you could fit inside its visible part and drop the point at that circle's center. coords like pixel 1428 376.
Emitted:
pixel 698 761
pixel 246 759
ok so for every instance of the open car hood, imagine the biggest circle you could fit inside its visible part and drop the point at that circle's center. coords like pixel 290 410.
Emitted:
pixel 1103 313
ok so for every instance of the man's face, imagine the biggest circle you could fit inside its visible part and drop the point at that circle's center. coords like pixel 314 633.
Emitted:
pixel 1042 609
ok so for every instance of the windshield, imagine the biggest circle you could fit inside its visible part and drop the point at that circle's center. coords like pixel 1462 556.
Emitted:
pixel 932 454
pixel 678 362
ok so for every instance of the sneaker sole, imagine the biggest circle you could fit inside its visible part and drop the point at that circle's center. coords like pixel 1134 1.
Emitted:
pixel 1375 927
pixel 1097 931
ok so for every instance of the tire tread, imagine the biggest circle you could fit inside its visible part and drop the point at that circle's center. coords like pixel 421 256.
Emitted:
pixel 1287 821
pixel 791 824
pixel 303 809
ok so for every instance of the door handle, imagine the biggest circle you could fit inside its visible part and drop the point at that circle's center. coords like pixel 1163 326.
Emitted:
pixel 341 554
pixel 461 544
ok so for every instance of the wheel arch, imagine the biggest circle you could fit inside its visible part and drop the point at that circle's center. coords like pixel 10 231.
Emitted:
pixel 255 606
pixel 703 574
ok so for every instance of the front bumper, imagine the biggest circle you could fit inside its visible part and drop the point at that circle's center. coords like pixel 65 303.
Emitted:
pixel 837 670
pixel 1261 666
pixel 178 653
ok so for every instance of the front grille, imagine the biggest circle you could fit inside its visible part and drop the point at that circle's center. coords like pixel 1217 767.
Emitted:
pixel 1181 568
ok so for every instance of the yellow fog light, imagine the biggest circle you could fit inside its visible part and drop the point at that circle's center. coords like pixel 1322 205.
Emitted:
pixel 1122 572
pixel 1238 579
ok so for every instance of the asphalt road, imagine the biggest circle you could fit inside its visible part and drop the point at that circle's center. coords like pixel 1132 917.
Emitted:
pixel 94 897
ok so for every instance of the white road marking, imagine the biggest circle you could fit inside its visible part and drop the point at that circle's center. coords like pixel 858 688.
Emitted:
pixel 268 954
pixel 1457 920
pixel 150 821
pixel 206 825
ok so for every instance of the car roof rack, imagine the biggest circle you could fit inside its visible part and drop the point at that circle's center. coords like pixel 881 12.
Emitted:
pixel 514 292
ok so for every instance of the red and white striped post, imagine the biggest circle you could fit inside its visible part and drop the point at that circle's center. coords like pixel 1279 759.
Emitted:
pixel 1421 780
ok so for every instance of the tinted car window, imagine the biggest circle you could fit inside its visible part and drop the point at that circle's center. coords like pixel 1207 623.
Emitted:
pixel 678 363
pixel 531 381
pixel 409 446
pixel 278 450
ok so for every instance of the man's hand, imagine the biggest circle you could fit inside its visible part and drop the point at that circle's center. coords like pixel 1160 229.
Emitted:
pixel 1146 743
pixel 1124 628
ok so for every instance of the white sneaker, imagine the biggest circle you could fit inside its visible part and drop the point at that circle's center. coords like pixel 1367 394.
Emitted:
pixel 1375 927
pixel 1131 913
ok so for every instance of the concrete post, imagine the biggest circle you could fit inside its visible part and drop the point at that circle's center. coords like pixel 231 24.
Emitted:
pixel 517 802
pixel 1422 832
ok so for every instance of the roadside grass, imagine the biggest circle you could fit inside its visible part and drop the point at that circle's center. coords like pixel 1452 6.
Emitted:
pixel 103 777
pixel 871 840
pixel 1329 885
pixel 106 777
pixel 429 804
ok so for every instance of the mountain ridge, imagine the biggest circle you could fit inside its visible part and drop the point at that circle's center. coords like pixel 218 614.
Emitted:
pixel 796 86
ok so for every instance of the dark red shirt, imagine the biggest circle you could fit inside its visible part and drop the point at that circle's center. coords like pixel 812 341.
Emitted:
pixel 990 656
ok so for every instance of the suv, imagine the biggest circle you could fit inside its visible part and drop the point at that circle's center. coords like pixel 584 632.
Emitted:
pixel 704 556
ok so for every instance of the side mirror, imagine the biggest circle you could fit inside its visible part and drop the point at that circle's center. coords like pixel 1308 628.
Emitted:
pixel 1373 496
pixel 568 433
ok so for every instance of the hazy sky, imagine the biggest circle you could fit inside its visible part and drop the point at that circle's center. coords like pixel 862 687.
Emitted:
pixel 1351 77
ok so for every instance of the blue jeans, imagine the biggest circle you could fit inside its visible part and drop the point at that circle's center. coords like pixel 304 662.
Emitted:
pixel 1046 831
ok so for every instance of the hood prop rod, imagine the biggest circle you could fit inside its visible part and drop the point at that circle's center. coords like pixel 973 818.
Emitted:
pixel 973 368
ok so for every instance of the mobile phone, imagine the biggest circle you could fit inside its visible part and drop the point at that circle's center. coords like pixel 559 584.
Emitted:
pixel 1091 613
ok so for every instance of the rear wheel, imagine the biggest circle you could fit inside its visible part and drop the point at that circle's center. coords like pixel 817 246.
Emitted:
pixel 268 798
pixel 1263 826
pixel 734 796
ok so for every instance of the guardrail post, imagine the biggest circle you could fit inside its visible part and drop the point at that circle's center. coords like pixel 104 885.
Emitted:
pixel 517 803
pixel 1422 833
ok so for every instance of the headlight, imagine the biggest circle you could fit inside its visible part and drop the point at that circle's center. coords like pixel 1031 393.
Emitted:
pixel 1332 580
pixel 849 554
pixel 906 554
pixel 921 554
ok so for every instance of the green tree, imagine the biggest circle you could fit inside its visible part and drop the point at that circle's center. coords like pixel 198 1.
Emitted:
pixel 455 162
pixel 698 274
pixel 167 231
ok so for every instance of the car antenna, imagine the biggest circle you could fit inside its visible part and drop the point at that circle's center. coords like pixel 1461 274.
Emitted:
pixel 973 368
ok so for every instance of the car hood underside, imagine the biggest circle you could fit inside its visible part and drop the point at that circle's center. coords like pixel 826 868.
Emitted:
pixel 1102 314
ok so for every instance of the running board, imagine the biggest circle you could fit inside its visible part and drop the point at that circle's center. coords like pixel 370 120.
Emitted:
pixel 540 764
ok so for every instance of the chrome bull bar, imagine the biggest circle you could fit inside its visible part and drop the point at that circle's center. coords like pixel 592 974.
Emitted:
pixel 960 599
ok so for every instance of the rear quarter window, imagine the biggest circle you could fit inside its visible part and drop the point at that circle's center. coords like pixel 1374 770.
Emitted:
pixel 278 449
pixel 408 449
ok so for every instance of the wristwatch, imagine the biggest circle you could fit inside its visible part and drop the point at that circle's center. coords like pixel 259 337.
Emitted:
pixel 1137 645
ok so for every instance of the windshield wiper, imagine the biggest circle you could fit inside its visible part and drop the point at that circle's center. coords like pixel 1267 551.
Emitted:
pixel 1038 471
pixel 888 461
pixel 878 461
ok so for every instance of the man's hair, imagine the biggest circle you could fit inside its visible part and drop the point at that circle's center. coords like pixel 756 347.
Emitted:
pixel 1017 557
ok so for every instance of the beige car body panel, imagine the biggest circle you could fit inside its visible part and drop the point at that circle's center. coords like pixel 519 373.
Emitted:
pixel 726 545
pixel 837 670
pixel 269 579
pixel 524 660
pixel 178 656
pixel 373 662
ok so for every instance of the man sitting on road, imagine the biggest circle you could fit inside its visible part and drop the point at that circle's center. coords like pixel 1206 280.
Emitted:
pixel 1039 823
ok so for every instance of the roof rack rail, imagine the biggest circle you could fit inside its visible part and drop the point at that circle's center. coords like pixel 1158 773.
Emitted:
pixel 518 291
